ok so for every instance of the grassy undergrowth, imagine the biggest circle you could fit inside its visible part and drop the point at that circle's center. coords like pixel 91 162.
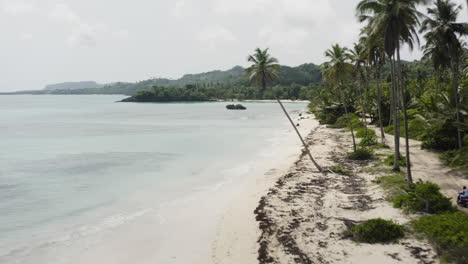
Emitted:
pixel 457 159
pixel 340 170
pixel 361 154
pixel 445 227
pixel 375 231
pixel 448 233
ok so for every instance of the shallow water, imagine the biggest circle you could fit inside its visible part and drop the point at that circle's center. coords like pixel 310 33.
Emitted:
pixel 72 166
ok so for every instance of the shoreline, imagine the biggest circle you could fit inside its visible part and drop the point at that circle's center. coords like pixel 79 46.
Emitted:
pixel 301 214
pixel 238 232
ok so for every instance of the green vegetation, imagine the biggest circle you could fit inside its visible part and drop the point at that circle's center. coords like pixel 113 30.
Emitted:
pixel 371 78
pixel 449 233
pixel 368 141
pixel 424 197
pixel 361 154
pixel 376 231
pixel 365 132
pixel 293 83
pixel 426 100
pixel 340 170
pixel 457 158
pixel 393 184
pixel 391 159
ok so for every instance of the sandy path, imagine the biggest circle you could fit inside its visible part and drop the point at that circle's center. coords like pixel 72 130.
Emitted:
pixel 427 166
pixel 303 217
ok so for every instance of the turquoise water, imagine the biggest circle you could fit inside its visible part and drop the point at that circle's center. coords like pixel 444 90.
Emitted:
pixel 67 161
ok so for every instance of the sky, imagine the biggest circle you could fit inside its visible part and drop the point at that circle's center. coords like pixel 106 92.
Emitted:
pixel 52 41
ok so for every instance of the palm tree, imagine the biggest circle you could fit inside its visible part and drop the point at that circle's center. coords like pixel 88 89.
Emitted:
pixel 336 71
pixel 444 44
pixel 264 70
pixel 396 22
pixel 376 58
pixel 358 58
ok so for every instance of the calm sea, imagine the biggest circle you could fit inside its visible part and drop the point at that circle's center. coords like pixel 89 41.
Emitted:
pixel 71 166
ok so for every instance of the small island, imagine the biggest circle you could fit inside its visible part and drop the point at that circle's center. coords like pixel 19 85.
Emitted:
pixel 236 107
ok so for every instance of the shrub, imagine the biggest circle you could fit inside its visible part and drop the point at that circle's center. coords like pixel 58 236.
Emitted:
pixel 361 154
pixel 369 140
pixel 425 197
pixel 356 122
pixel 330 114
pixel 340 170
pixel 342 121
pixel 448 232
pixel 363 132
pixel 375 231
pixel 394 185
pixel 440 137
pixel 456 158
pixel 389 129
pixel 390 160
pixel 416 128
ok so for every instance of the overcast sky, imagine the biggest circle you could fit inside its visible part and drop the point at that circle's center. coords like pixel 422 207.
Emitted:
pixel 51 41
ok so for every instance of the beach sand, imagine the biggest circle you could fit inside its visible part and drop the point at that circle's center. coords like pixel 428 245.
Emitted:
pixel 291 213
pixel 237 230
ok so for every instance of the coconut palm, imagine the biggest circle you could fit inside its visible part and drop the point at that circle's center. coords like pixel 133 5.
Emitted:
pixel 264 70
pixel 336 71
pixel 358 58
pixel 396 21
pixel 376 58
pixel 443 35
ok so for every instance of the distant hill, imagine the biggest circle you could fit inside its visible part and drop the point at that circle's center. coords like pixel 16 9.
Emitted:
pixel 304 74
pixel 72 86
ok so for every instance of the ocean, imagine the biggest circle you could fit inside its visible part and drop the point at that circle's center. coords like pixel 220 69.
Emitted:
pixel 75 170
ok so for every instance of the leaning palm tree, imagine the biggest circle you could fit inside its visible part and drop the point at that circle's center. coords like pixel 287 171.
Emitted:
pixel 444 44
pixel 396 22
pixel 264 70
pixel 336 71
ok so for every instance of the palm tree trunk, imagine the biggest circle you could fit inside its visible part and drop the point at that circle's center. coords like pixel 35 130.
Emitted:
pixel 392 109
pixel 405 119
pixel 347 117
pixel 263 83
pixel 364 101
pixel 455 95
pixel 396 123
pixel 379 102
pixel 300 136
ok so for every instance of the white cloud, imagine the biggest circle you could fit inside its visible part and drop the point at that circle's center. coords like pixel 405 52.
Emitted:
pixel 184 9
pixel 16 7
pixel 26 36
pixel 214 35
pixel 121 34
pixel 283 37
pixel 242 7
pixel 315 11
pixel 63 13
pixel 304 10
pixel 85 35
